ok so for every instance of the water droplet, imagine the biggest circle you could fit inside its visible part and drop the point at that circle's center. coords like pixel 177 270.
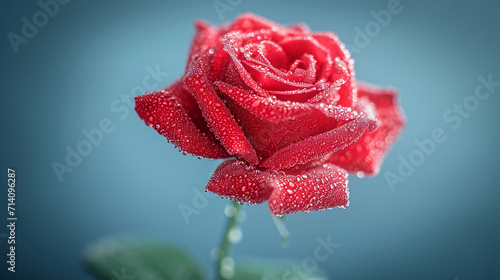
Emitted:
pixel 235 235
pixel 230 211
pixel 227 268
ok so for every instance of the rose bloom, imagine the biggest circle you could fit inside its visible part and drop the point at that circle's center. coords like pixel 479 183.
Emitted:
pixel 284 103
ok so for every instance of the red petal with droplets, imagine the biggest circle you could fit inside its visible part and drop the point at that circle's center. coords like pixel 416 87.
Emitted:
pixel 175 115
pixel 296 46
pixel 300 28
pixel 267 53
pixel 367 153
pixel 320 145
pixel 331 42
pixel 220 120
pixel 249 22
pixel 272 125
pixel 347 91
pixel 206 37
pixel 232 44
pixel 274 110
pixel 236 180
pixel 318 188
pixel 269 80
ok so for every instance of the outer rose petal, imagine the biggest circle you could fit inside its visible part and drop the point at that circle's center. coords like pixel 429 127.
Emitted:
pixel 298 190
pixel 232 48
pixel 367 153
pixel 272 125
pixel 236 180
pixel 317 146
pixel 300 28
pixel 249 22
pixel 347 91
pixel 175 115
pixel 315 189
pixel 220 120
pixel 332 43
pixel 206 37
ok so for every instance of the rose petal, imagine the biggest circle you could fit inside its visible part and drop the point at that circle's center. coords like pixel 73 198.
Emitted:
pixel 300 28
pixel 348 91
pixel 274 110
pixel 330 95
pixel 367 153
pixel 302 73
pixel 220 61
pixel 298 95
pixel 206 37
pixel 318 188
pixel 267 53
pixel 232 77
pixel 217 115
pixel 320 145
pixel 272 124
pixel 304 70
pixel 332 43
pixel 233 42
pixel 296 46
pixel 268 137
pixel 249 22
pixel 175 115
pixel 269 80
pixel 237 181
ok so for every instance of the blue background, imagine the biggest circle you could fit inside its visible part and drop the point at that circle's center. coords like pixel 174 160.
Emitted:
pixel 442 222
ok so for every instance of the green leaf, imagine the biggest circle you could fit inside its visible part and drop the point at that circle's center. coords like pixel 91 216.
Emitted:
pixel 139 258
pixel 276 270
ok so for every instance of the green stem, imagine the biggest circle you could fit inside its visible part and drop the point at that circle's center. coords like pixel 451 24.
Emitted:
pixel 225 264
pixel 282 230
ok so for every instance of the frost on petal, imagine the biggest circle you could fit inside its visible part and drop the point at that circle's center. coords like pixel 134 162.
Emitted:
pixel 220 120
pixel 317 146
pixel 175 115
pixel 236 180
pixel 367 153
pixel 315 189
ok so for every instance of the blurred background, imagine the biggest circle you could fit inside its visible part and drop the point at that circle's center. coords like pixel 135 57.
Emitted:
pixel 78 68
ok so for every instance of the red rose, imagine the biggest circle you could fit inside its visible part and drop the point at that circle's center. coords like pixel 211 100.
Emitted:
pixel 284 102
